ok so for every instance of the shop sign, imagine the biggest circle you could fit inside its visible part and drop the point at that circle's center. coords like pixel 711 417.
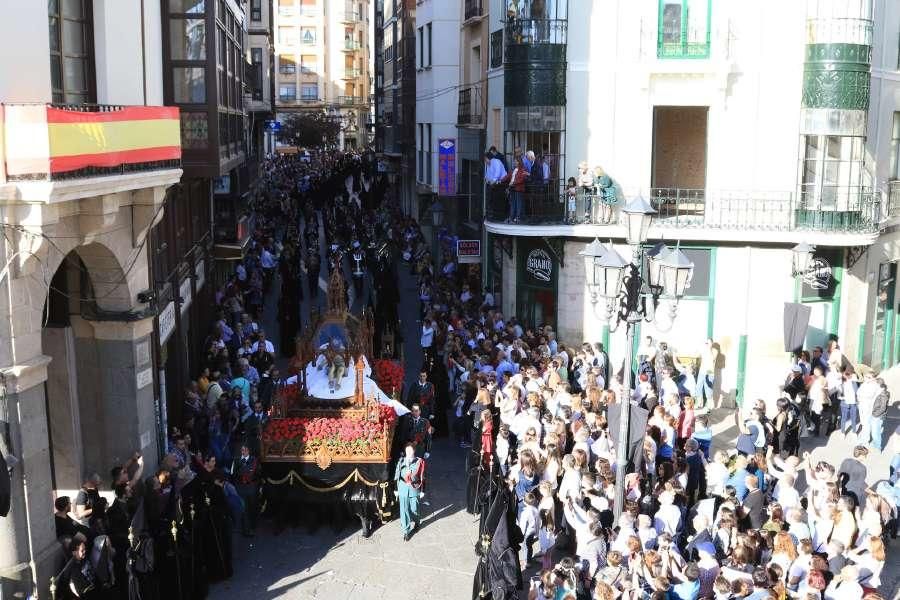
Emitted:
pixel 539 265
pixel 468 251
pixel 200 274
pixel 184 290
pixel 818 274
pixel 144 378
pixel 447 167
pixel 166 322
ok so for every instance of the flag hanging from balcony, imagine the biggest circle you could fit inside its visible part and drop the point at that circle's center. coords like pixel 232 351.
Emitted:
pixel 43 140
pixel 446 167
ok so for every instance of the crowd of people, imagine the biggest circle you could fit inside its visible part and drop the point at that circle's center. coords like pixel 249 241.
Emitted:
pixel 169 533
pixel 760 520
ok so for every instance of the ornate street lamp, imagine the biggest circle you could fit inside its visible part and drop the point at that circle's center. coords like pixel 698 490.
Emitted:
pixel 638 216
pixel 437 220
pixel 803 254
pixel 630 299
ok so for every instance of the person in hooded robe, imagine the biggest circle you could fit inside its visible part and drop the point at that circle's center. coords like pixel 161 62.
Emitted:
pixel 213 525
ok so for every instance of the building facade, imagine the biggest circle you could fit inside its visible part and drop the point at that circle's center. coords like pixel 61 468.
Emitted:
pixel 77 373
pixel 437 78
pixel 395 99
pixel 323 62
pixel 743 149
pixel 209 73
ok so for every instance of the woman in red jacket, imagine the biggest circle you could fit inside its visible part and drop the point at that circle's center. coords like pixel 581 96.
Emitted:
pixel 516 180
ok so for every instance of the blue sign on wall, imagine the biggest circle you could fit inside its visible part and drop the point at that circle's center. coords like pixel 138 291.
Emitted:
pixel 273 125
pixel 447 167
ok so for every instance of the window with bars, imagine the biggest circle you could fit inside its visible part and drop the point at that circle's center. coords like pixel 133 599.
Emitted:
pixel 287 91
pixel 497 49
pixel 309 91
pixel 256 10
pixel 72 51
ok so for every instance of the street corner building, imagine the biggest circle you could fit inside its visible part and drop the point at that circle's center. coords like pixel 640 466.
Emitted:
pixel 123 130
pixel 746 153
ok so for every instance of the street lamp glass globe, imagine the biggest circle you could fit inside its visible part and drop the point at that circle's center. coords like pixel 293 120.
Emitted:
pixel 610 272
pixel 675 272
pixel 638 216
pixel 803 253
pixel 437 213
pixel 592 253
pixel 655 256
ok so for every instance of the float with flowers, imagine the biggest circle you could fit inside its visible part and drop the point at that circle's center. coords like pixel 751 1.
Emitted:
pixel 332 427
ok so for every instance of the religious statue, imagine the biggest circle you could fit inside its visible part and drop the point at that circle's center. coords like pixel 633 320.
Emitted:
pixel 605 191
pixel 336 302
pixel 332 361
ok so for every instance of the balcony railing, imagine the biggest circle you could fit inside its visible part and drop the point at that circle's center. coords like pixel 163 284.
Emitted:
pixel 349 100
pixel 53 142
pixel 351 73
pixel 473 9
pixel 536 31
pixel 682 48
pixel 698 209
pixel 351 45
pixel 469 109
pixel 350 16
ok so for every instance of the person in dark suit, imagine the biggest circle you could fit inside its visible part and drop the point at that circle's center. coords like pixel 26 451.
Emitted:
pixel 422 393
pixel 696 481
pixel 253 428
pixel 754 503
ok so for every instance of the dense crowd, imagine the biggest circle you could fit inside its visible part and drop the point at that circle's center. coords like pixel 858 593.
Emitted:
pixel 760 520
pixel 169 533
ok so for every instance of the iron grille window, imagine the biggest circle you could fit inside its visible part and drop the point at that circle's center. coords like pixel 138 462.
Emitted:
pixel 497 49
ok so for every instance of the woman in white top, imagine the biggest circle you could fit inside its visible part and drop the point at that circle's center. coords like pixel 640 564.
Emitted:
pixel 553 461
pixel 845 586
pixel 508 402
pixel 869 558
pixel 571 479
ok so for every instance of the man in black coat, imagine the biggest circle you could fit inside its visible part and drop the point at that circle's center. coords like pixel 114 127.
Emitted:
pixel 754 503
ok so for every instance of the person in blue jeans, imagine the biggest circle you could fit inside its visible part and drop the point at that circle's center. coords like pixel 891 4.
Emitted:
pixel 879 411
pixel 849 407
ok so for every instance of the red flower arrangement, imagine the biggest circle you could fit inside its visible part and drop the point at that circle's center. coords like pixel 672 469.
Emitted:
pixel 333 432
pixel 388 374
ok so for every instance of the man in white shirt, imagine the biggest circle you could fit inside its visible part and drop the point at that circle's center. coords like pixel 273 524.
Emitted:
pixel 266 343
pixel 849 407
pixel 494 170
pixel 488 297
pixel 427 340
pixel 865 400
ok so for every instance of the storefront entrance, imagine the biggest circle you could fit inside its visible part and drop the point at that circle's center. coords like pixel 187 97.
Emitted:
pixel 536 283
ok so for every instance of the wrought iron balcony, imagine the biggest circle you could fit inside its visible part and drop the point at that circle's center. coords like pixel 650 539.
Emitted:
pixel 856 210
pixel 469 110
pixel 351 73
pixel 536 31
pixel 349 100
pixel 350 16
pixel 666 47
pixel 473 9
pixel 53 142
pixel 350 45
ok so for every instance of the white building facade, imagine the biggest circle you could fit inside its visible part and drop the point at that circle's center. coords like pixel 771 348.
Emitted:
pixel 86 155
pixel 745 147
pixel 437 80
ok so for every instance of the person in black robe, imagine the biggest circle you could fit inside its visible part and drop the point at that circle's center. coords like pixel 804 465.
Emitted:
pixel 213 530
pixel 498 574
pixel 441 382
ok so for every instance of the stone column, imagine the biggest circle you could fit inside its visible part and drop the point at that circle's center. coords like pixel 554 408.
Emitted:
pixel 29 551
pixel 119 394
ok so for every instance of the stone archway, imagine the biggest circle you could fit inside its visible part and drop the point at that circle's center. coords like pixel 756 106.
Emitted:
pixel 100 364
